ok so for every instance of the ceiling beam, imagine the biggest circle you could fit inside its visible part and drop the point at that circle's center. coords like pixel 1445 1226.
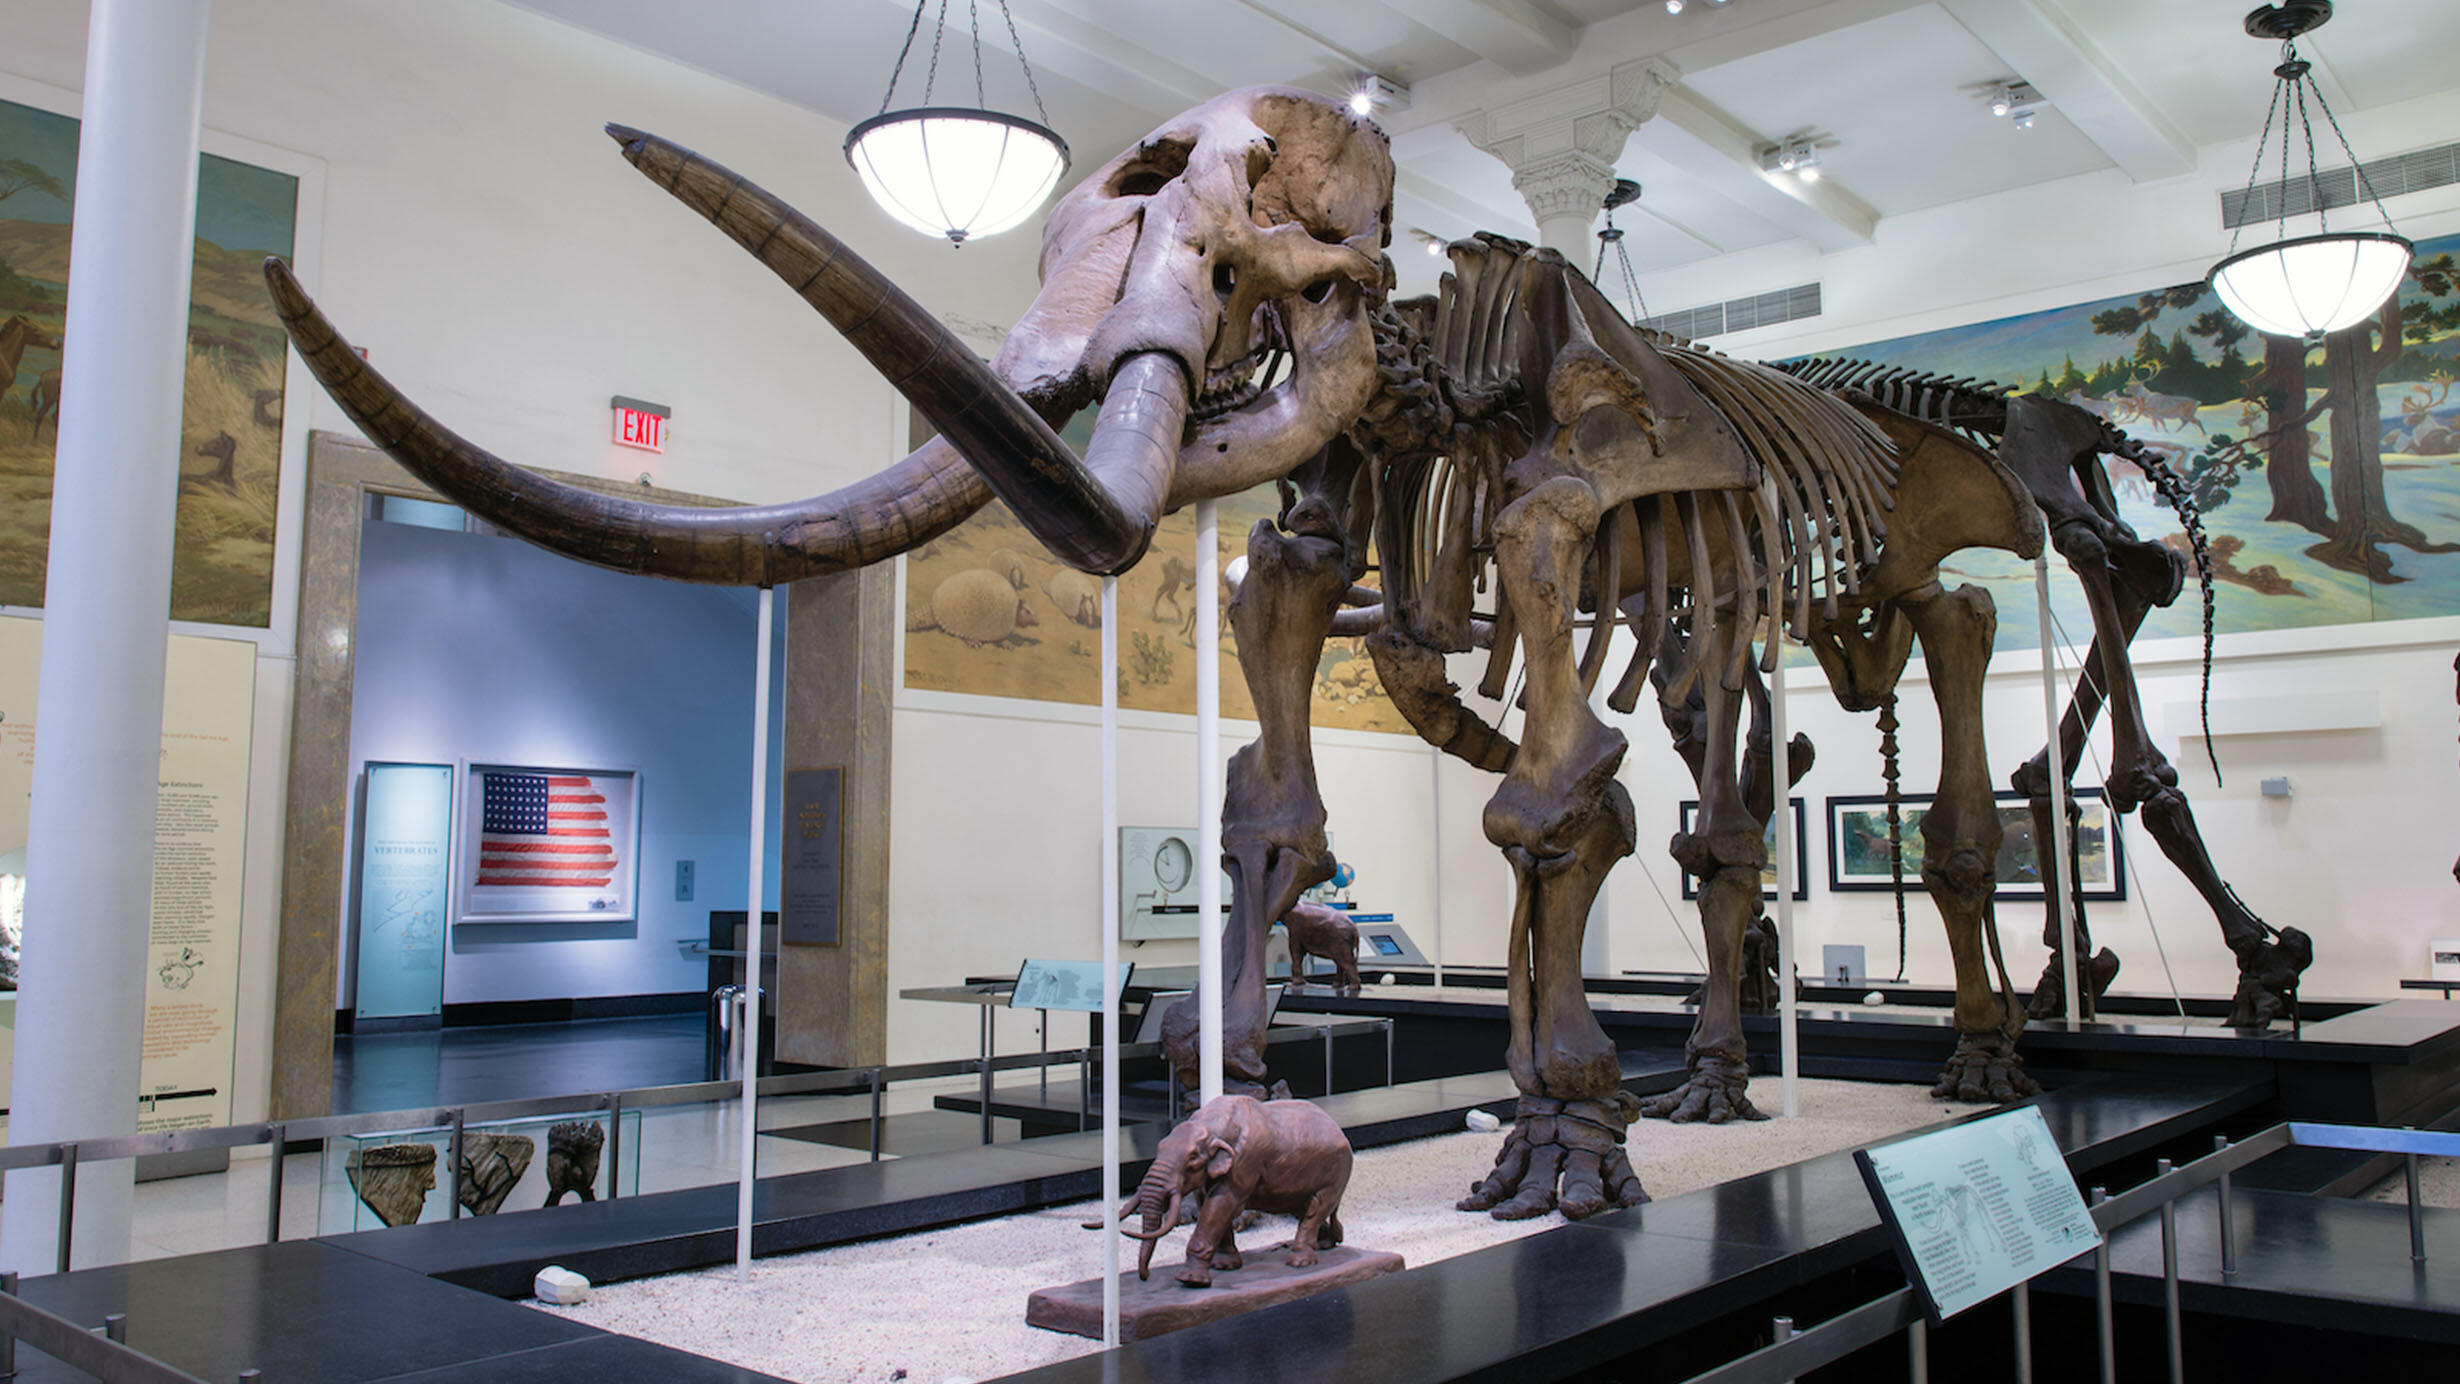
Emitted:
pixel 1707 145
pixel 2042 46
pixel 1513 34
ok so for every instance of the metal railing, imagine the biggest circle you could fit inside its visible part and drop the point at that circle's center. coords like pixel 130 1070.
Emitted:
pixel 1797 1352
pixel 68 1155
pixel 101 1351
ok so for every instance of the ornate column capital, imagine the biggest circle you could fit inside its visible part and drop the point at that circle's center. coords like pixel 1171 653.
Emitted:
pixel 1561 143
pixel 1572 182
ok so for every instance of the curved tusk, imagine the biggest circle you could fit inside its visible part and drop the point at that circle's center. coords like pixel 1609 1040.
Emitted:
pixel 1096 515
pixel 910 503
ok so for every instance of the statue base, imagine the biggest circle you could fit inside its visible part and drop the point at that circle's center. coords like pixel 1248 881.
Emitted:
pixel 1161 1304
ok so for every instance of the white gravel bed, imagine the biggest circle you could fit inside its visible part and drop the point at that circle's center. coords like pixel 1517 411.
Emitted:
pixel 949 1304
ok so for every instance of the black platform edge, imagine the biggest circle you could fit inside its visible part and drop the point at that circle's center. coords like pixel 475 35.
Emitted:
pixel 1584 1294
pixel 2316 1261
pixel 303 1310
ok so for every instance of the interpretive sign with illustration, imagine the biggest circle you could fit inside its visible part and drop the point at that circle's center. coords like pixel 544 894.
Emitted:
pixel 1978 1207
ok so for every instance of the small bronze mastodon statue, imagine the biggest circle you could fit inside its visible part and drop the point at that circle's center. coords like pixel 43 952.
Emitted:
pixel 1219 293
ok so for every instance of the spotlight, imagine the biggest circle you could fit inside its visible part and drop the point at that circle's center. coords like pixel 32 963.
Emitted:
pixel 1434 247
pixel 1787 157
pixel 1372 91
pixel 1361 102
pixel 2024 120
pixel 1796 155
pixel 2002 101
pixel 1808 172
pixel 1674 6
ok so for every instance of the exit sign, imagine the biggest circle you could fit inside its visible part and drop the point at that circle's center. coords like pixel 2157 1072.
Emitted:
pixel 641 424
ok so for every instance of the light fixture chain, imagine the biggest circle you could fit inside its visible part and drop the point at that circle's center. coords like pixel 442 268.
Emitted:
pixel 2257 170
pixel 2314 178
pixel 973 15
pixel 1019 45
pixel 899 70
pixel 939 30
pixel 2354 164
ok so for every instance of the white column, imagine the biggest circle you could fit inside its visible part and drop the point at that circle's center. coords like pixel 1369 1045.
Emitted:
pixel 746 1174
pixel 89 852
pixel 1110 962
pixel 1561 146
pixel 1781 760
pixel 1208 796
pixel 2063 900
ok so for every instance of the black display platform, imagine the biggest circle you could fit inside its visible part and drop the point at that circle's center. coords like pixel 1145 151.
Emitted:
pixel 304 1310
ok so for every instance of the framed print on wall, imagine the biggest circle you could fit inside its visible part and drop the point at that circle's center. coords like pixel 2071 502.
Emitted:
pixel 1858 846
pixel 548 845
pixel 1768 872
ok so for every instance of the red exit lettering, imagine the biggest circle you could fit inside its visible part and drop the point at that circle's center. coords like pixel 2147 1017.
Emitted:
pixel 641 428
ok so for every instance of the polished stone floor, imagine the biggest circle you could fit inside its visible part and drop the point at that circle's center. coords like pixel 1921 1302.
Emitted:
pixel 456 1066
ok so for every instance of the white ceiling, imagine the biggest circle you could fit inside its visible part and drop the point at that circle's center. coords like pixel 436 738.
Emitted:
pixel 1896 85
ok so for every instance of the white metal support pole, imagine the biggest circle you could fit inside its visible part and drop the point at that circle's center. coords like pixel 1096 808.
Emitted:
pixel 1781 763
pixel 1208 797
pixel 89 849
pixel 1110 962
pixel 746 1176
pixel 2063 901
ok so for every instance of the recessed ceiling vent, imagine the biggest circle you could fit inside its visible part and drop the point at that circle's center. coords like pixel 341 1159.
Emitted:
pixel 1739 314
pixel 2338 187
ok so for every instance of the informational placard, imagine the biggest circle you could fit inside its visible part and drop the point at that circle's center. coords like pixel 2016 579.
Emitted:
pixel 809 884
pixel 405 879
pixel 546 845
pixel 1978 1207
pixel 200 844
pixel 1066 985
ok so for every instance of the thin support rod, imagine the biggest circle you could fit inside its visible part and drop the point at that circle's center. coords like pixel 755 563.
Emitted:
pixel 757 856
pixel 2020 1298
pixel 985 1085
pixel 875 1114
pixel 1789 1049
pixel 8 1343
pixel 2059 865
pixel 2229 1223
pixel 452 1181
pixel 1781 1330
pixel 1917 1352
pixel 1110 963
pixel 1328 1086
pixel 2104 1311
pixel 68 1199
pixel 273 1185
pixel 2172 1328
pixel 614 1144
pixel 1208 799
pixel 2417 1211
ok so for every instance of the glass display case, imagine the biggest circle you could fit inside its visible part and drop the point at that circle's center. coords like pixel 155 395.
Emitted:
pixel 402 1176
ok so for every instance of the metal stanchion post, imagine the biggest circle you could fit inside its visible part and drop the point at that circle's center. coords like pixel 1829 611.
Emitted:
pixel 68 1200
pixel 614 1144
pixel 115 1328
pixel 8 1343
pixel 1042 1036
pixel 2021 1297
pixel 1917 1351
pixel 273 1185
pixel 1781 1330
pixel 1387 1052
pixel 1326 1031
pixel 875 1114
pixel 2417 1214
pixel 986 1073
pixel 452 1183
pixel 1084 1089
pixel 2104 1321
pixel 2169 1280
pixel 2229 1224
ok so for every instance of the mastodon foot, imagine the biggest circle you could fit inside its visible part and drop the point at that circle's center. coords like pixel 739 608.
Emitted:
pixel 1576 1142
pixel 2268 975
pixel 1985 1068
pixel 1715 1093
pixel 2050 992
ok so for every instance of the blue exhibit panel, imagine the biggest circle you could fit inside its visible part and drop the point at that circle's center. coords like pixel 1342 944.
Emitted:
pixel 405 855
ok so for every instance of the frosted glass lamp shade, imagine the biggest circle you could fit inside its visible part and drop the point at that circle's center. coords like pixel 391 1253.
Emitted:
pixel 956 171
pixel 2313 284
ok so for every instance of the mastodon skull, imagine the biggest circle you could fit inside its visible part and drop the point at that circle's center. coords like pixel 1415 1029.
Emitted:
pixel 1244 240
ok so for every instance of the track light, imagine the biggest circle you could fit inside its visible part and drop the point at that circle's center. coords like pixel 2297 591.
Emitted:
pixel 2024 120
pixel 1674 6
pixel 2016 99
pixel 2002 100
pixel 1372 92
pixel 1798 156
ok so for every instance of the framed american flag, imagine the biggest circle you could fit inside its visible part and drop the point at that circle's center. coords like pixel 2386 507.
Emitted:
pixel 541 844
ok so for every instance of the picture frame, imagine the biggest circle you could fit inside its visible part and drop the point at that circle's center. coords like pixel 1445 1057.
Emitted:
pixel 1690 810
pixel 548 844
pixel 1857 854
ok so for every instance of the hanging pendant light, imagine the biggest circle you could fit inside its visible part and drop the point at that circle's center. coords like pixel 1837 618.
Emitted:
pixel 2309 285
pixel 957 171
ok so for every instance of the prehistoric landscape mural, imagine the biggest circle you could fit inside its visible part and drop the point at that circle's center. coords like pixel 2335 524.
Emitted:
pixel 231 430
pixel 988 612
pixel 2328 476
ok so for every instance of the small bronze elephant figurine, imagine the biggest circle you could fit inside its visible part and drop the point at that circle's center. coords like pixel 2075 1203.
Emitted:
pixel 1241 1154
pixel 1326 932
